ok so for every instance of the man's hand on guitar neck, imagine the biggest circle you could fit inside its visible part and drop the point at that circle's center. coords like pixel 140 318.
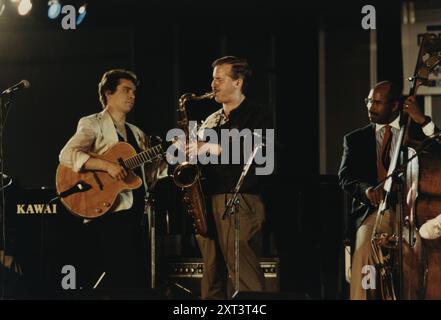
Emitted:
pixel 115 170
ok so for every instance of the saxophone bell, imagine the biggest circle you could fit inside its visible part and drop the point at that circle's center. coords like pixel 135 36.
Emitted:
pixel 185 175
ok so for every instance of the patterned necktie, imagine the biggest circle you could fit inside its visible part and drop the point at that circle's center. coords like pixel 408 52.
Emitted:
pixel 383 165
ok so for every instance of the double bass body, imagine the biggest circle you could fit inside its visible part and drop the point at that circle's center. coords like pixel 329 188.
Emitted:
pixel 421 258
pixel 413 263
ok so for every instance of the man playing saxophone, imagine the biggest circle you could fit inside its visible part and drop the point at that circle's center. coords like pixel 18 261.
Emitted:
pixel 229 84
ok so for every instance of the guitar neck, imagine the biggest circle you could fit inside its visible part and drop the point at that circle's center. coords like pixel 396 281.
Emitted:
pixel 143 157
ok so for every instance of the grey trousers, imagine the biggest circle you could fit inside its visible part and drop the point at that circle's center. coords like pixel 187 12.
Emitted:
pixel 218 250
pixel 363 256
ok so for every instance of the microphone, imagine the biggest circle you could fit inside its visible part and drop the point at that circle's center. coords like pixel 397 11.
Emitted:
pixel 18 86
pixel 80 186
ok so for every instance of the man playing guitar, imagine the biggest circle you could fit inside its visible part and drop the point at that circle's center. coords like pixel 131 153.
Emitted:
pixel 115 238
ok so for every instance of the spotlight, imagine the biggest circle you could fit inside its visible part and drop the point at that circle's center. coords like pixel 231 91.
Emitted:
pixel 24 7
pixel 81 13
pixel 2 7
pixel 54 9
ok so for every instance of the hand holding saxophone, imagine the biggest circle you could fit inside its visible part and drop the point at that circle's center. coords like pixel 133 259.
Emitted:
pixel 200 147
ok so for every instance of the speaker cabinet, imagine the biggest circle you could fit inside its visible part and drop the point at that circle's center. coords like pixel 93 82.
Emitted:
pixel 185 275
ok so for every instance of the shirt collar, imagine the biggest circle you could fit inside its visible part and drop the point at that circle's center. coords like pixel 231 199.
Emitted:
pixel 394 124
pixel 242 106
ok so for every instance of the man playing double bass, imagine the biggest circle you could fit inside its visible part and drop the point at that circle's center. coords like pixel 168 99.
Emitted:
pixel 367 153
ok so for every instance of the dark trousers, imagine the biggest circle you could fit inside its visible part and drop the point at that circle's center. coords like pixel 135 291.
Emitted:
pixel 218 251
pixel 115 245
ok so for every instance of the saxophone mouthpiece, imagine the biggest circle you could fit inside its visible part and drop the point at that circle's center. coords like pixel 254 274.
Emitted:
pixel 208 95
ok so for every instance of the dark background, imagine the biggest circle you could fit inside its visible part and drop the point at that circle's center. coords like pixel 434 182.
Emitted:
pixel 170 45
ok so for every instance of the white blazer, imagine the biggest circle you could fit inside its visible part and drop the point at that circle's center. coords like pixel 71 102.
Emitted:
pixel 96 134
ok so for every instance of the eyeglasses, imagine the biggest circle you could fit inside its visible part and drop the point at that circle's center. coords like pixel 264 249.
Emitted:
pixel 370 101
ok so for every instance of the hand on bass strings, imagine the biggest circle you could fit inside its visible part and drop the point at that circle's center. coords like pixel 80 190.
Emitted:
pixel 375 196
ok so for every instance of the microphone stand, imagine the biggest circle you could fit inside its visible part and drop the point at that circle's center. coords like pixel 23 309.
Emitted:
pixel 2 203
pixel 4 104
pixel 232 207
pixel 151 213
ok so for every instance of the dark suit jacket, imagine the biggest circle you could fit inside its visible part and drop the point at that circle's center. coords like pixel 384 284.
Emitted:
pixel 358 169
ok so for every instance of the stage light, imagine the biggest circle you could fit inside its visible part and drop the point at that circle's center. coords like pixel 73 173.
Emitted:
pixel 54 9
pixel 81 13
pixel 2 7
pixel 24 7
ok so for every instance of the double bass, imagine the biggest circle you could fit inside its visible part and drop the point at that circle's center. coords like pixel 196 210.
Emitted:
pixel 409 266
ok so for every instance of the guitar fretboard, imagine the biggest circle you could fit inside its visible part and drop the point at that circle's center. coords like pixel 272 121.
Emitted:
pixel 143 157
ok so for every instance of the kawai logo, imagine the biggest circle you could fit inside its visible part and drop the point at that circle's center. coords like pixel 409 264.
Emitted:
pixel 37 208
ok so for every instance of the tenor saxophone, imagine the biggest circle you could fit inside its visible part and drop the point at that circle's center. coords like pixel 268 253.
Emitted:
pixel 187 175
